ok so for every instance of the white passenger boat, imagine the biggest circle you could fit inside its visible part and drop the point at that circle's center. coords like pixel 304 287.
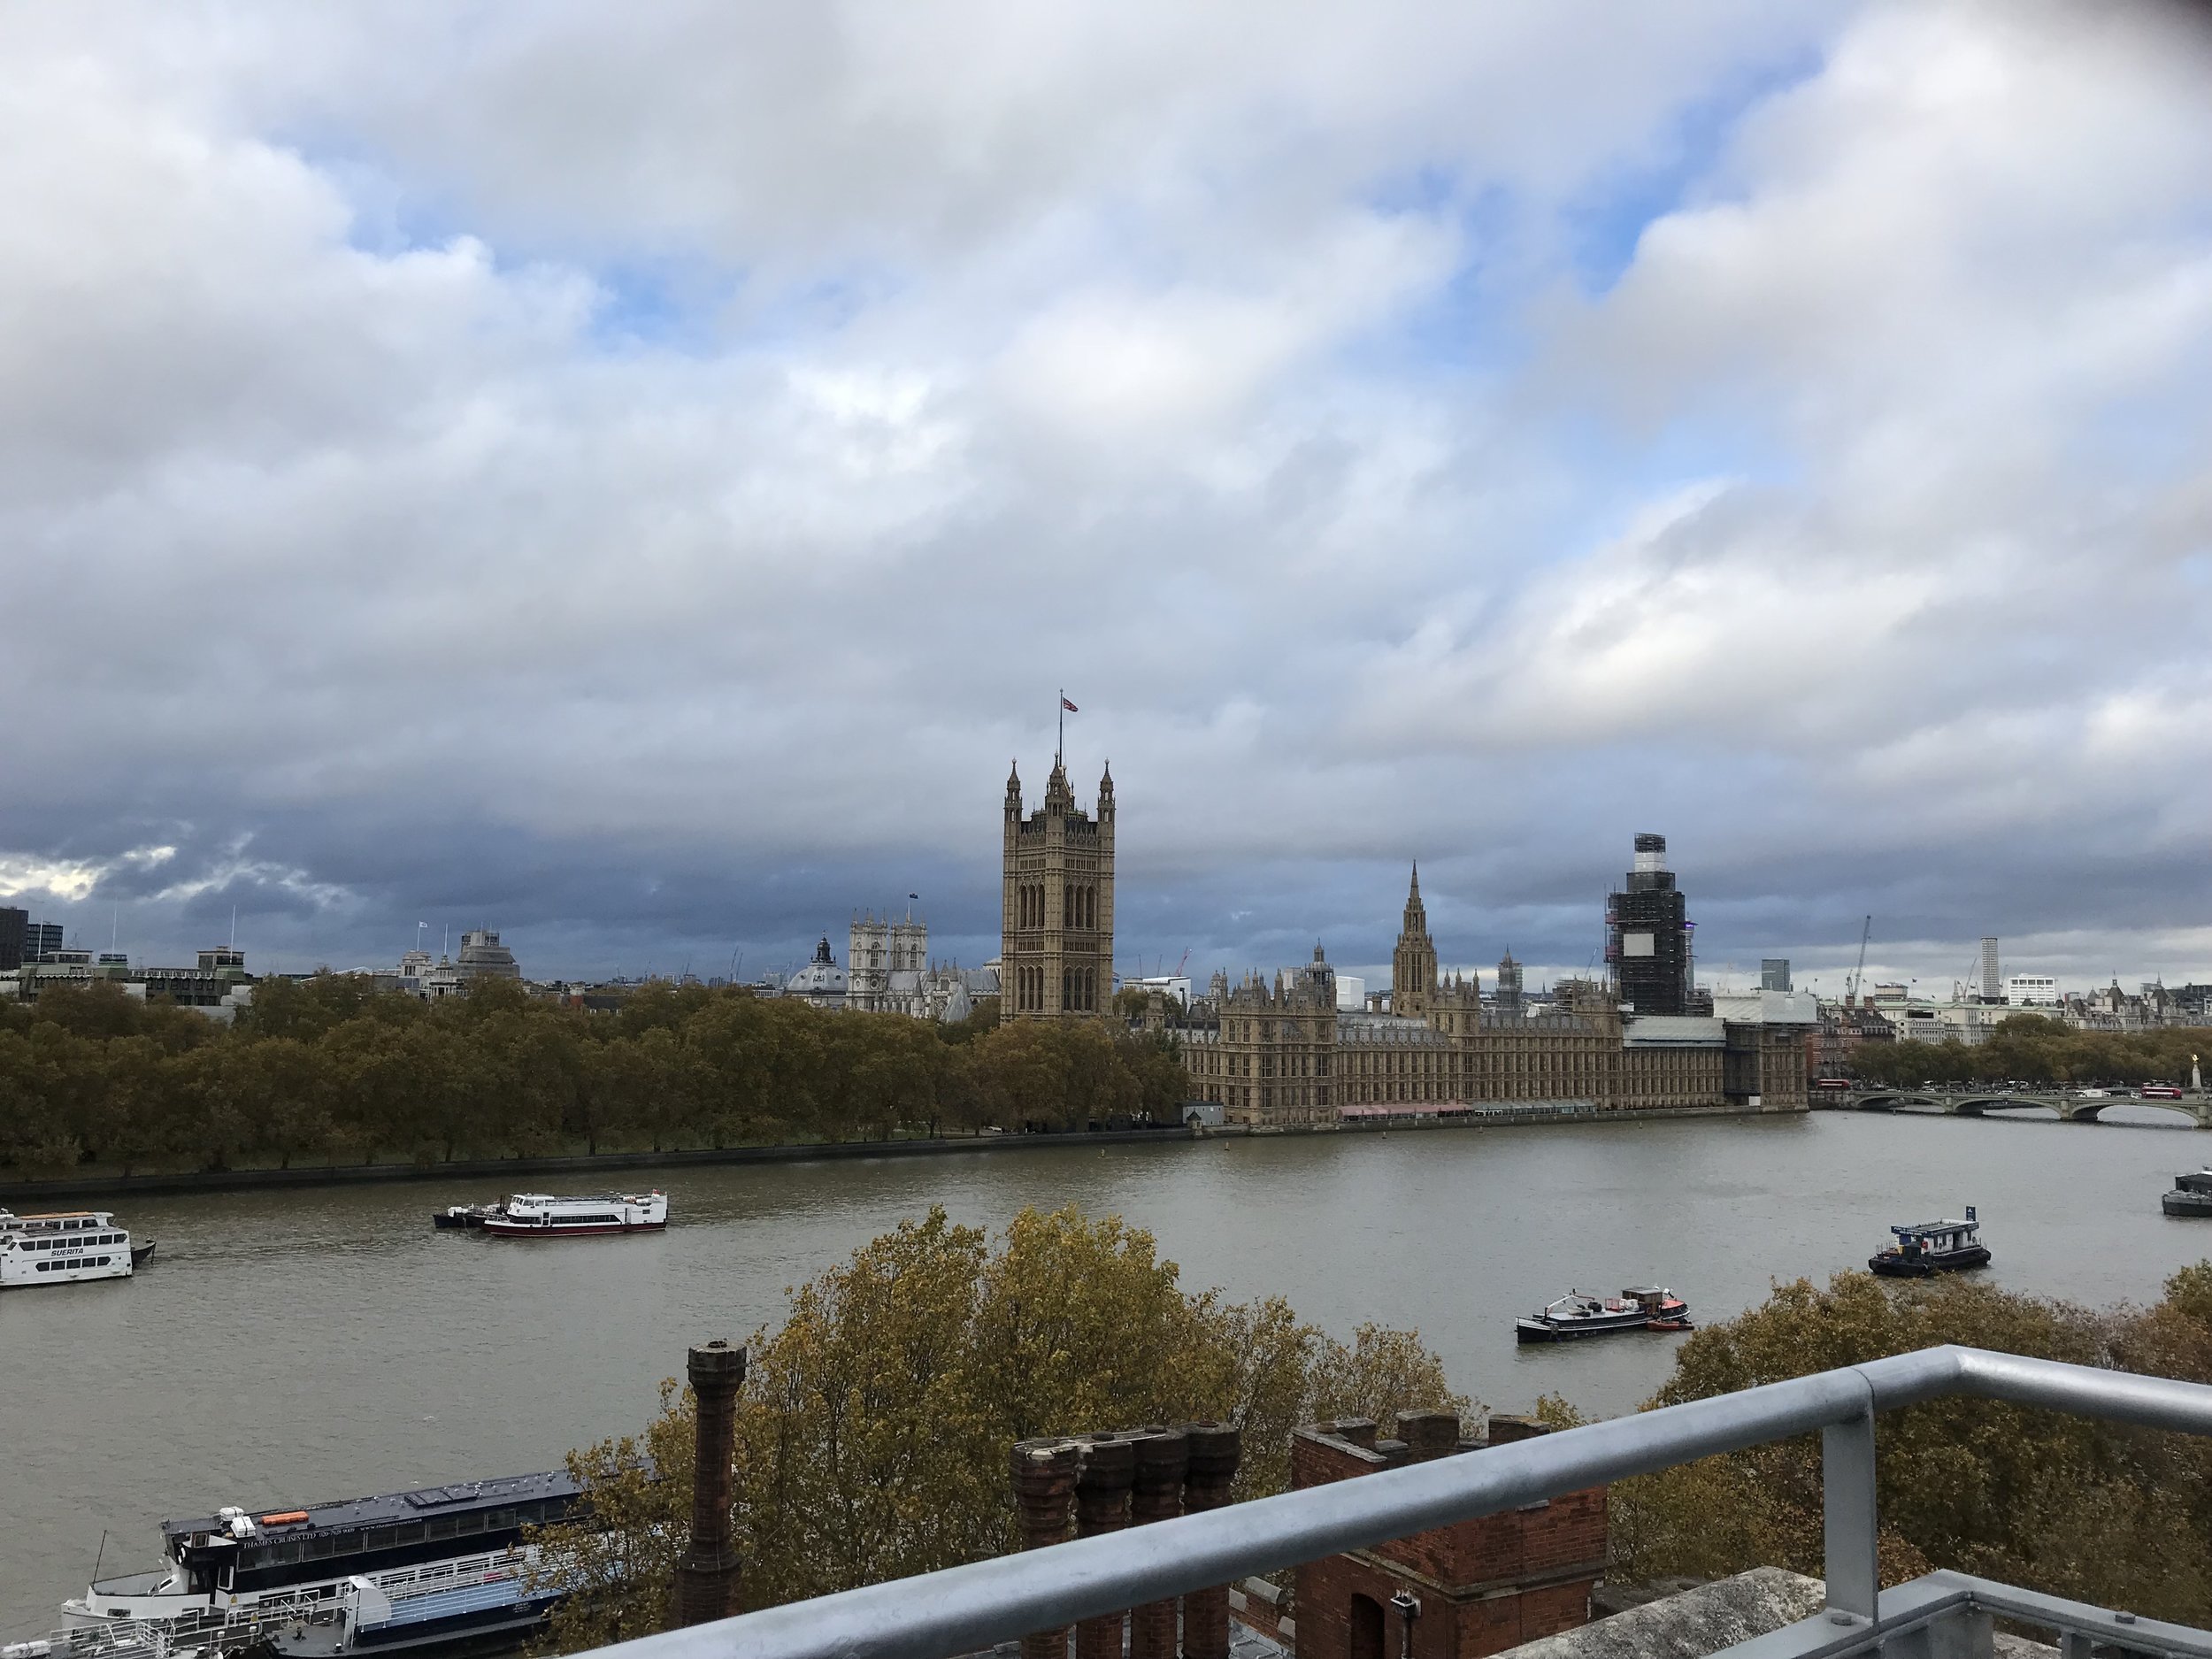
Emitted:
pixel 66 1247
pixel 417 1571
pixel 538 1216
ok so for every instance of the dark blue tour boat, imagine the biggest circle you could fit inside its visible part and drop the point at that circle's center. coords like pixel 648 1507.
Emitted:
pixel 1932 1247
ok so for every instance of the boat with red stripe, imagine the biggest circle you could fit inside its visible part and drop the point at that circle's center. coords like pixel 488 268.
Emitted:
pixel 541 1216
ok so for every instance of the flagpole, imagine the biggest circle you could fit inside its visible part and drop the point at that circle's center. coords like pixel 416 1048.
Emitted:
pixel 1060 744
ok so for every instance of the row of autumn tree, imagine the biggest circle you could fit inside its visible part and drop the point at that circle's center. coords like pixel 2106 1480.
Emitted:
pixel 2033 1048
pixel 874 1422
pixel 328 1070
pixel 873 1430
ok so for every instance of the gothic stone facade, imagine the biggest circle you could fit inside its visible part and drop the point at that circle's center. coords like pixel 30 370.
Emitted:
pixel 1284 1057
pixel 1057 950
pixel 884 960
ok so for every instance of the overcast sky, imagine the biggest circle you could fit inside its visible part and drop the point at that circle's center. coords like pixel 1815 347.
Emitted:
pixel 635 476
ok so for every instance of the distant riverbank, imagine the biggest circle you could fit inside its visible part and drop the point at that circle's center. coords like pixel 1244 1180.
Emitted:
pixel 116 1185
pixel 13 1191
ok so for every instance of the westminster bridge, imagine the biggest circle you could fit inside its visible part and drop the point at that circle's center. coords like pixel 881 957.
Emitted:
pixel 2071 1105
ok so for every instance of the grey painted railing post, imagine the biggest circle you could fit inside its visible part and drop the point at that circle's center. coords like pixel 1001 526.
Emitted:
pixel 1848 1516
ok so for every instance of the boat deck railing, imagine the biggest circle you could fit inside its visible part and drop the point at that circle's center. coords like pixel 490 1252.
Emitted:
pixel 1941 1615
pixel 205 1631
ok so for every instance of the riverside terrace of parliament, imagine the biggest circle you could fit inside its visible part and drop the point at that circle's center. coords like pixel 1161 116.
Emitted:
pixel 1283 1055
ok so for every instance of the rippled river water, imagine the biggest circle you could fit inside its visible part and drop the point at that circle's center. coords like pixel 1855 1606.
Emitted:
pixel 288 1347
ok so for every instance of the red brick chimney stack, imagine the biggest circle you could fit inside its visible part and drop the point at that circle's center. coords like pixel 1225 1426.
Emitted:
pixel 1505 1430
pixel 1428 1434
pixel 707 1582
pixel 1044 1484
pixel 1214 1450
pixel 1163 1455
pixel 1102 1489
pixel 1483 1586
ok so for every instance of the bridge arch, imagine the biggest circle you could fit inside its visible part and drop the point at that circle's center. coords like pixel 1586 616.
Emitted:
pixel 1981 1105
pixel 2091 1111
pixel 1890 1099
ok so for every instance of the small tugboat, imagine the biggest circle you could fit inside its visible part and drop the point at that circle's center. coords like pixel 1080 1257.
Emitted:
pixel 1932 1247
pixel 1575 1315
pixel 537 1215
pixel 2191 1195
pixel 64 1247
pixel 464 1215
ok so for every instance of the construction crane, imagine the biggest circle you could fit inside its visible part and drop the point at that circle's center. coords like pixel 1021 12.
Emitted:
pixel 1858 974
pixel 1185 963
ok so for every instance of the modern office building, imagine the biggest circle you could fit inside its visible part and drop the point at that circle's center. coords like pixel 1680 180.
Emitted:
pixel 1774 973
pixel 13 925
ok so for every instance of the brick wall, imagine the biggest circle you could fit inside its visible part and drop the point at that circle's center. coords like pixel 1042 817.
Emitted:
pixel 1484 1586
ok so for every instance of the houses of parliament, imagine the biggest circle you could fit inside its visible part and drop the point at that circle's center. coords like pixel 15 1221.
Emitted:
pixel 1280 1054
pixel 1057 931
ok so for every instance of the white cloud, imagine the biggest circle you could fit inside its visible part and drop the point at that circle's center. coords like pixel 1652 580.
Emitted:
pixel 579 456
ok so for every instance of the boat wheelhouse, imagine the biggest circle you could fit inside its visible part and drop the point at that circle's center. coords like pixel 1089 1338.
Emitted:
pixel 1575 1315
pixel 538 1216
pixel 1932 1247
pixel 409 1569
pixel 2191 1195
pixel 66 1247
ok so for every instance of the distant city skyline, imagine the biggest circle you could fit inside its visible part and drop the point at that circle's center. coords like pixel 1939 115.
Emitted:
pixel 1469 434
pixel 563 951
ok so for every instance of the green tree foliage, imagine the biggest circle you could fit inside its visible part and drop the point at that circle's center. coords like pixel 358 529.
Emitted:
pixel 2034 1048
pixel 2103 1512
pixel 328 1070
pixel 872 1432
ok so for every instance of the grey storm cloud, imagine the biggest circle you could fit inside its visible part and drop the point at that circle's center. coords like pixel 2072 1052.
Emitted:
pixel 636 480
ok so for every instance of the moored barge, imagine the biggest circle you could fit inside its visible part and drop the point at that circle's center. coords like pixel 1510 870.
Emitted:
pixel 438 1567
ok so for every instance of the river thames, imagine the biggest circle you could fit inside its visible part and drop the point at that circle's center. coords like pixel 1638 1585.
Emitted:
pixel 296 1347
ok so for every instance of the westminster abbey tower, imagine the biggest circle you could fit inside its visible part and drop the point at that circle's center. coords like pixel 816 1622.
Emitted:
pixel 1057 950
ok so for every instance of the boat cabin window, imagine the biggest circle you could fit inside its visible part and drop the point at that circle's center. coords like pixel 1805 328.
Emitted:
pixel 472 1522
pixel 380 1537
pixel 444 1526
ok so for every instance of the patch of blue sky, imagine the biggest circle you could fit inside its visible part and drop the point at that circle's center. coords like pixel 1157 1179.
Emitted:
pixel 1604 223
pixel 696 307
pixel 389 214
pixel 1473 323
pixel 677 305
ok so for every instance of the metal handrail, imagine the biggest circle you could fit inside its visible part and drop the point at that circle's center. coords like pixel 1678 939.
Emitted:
pixel 962 1609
